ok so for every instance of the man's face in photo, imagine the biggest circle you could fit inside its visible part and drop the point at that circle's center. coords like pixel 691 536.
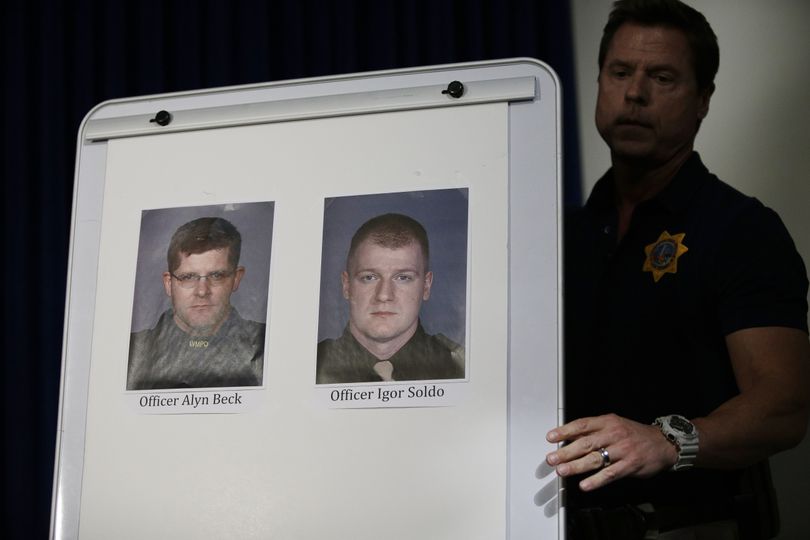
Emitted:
pixel 385 288
pixel 201 305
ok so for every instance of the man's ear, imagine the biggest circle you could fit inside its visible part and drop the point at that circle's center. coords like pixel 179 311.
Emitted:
pixel 167 283
pixel 428 283
pixel 705 98
pixel 237 278
pixel 344 281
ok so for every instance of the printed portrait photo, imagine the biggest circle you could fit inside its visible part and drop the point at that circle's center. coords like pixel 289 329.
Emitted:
pixel 393 287
pixel 201 290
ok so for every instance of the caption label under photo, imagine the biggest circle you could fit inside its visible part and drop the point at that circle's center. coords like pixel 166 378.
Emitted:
pixel 409 395
pixel 198 401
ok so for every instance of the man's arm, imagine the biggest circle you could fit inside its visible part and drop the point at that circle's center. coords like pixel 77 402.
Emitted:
pixel 772 369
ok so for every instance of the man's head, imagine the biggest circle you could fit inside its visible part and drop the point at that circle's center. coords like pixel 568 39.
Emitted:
pixel 385 281
pixel 657 62
pixel 704 53
pixel 203 259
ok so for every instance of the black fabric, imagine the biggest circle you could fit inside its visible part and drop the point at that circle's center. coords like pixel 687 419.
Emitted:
pixel 60 58
pixel 630 522
pixel 620 523
pixel 423 357
pixel 643 349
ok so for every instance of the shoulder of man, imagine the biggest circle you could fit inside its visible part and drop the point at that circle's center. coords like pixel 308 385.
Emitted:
pixel 147 338
pixel 343 360
pixel 144 348
pixel 246 328
pixel 341 349
pixel 721 197
pixel 759 276
pixel 456 351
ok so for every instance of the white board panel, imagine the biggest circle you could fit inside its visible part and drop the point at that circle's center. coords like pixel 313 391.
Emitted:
pixel 286 463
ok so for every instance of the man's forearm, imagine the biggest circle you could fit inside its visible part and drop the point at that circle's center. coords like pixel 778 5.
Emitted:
pixel 749 428
pixel 772 369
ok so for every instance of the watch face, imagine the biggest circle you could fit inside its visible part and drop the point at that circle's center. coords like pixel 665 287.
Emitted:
pixel 681 425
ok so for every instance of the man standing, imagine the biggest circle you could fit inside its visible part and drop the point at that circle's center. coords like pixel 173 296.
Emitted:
pixel 201 341
pixel 386 279
pixel 687 355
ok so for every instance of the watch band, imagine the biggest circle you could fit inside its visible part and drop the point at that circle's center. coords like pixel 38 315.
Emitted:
pixel 684 435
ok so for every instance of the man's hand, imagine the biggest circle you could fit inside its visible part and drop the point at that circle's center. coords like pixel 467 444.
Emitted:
pixel 772 370
pixel 636 450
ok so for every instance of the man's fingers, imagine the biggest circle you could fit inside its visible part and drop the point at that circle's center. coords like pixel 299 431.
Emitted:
pixel 587 463
pixel 575 450
pixel 573 429
pixel 604 477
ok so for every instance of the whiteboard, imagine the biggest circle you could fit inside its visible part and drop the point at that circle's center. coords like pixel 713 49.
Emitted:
pixel 297 166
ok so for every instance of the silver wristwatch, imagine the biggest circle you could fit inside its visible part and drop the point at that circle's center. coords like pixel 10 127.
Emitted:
pixel 684 435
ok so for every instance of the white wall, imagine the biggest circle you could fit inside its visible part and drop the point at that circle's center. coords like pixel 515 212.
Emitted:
pixel 756 138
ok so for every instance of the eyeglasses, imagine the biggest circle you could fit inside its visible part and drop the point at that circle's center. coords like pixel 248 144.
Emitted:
pixel 189 281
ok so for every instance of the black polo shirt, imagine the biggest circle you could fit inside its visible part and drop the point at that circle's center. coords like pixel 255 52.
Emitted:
pixel 646 318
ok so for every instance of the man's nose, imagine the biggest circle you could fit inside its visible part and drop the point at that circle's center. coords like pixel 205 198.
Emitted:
pixel 385 290
pixel 638 88
pixel 203 287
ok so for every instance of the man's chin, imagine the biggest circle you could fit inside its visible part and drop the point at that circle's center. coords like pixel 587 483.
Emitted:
pixel 384 335
pixel 632 149
pixel 201 322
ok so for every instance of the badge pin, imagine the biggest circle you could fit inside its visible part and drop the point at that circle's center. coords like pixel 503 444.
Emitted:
pixel 663 254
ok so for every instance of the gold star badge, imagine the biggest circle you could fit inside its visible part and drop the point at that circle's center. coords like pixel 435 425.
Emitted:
pixel 662 255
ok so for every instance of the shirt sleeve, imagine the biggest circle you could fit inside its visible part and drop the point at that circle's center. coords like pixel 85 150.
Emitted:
pixel 760 278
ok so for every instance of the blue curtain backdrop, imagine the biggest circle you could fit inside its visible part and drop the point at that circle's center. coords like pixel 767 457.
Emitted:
pixel 60 58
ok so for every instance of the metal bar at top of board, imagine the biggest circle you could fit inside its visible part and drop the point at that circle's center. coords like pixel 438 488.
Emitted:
pixel 422 97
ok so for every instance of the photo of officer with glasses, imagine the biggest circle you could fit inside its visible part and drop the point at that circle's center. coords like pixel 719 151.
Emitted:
pixel 201 341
